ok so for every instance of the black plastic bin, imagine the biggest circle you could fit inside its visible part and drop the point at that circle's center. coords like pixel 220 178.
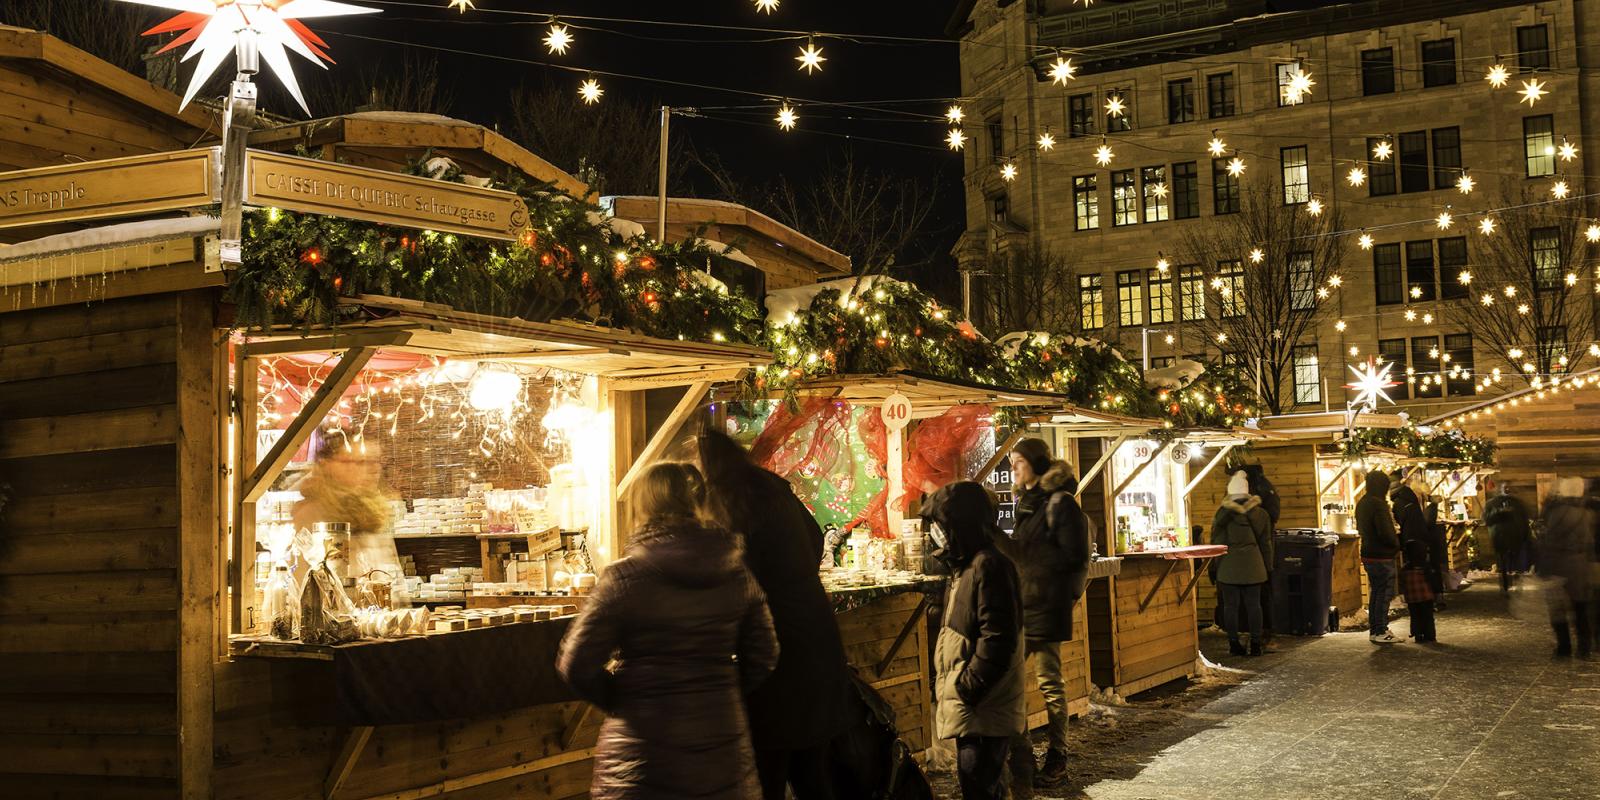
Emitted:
pixel 1302 582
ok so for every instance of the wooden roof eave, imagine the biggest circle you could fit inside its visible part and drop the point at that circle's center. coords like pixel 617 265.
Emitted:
pixel 930 395
pixel 827 263
pixel 1079 422
pixel 1321 424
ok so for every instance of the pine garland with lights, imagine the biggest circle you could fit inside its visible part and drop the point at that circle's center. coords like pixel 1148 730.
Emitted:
pixel 1441 445
pixel 1090 372
pixel 1219 398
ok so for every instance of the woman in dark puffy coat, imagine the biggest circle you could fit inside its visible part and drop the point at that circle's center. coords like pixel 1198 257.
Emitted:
pixel 673 638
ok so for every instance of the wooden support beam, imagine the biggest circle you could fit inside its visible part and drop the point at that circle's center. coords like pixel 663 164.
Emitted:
pixel 1463 482
pixel 198 593
pixel 1199 568
pixel 691 402
pixel 1443 476
pixel 1137 471
pixel 1105 458
pixel 326 344
pixel 900 640
pixel 1216 459
pixel 1330 484
pixel 580 718
pixel 241 579
pixel 452 785
pixel 354 743
pixel 1000 453
pixel 1172 564
pixel 299 430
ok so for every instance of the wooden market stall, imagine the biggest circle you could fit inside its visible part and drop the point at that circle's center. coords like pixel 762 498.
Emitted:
pixel 1457 486
pixel 130 666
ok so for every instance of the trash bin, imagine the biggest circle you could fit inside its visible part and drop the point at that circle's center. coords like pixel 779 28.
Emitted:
pixel 1302 582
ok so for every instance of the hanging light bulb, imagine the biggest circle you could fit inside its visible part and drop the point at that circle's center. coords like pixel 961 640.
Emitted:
pixel 786 118
pixel 1532 91
pixel 1339 326
pixel 1567 151
pixel 1365 241
pixel 1465 183
pixel 955 139
pixel 1162 265
pixel 1487 299
pixel 1486 225
pixel 1382 150
pixel 1416 292
pixel 1103 154
pixel 1115 106
pixel 558 38
pixel 1427 319
pixel 1560 190
pixel 590 91
pixel 1511 291
pixel 766 6
pixel 1062 71
pixel 1571 279
pixel 1464 278
pixel 1008 172
pixel 1314 207
pixel 1216 146
pixel 1357 176
pixel 1498 76
pixel 1236 166
pixel 810 57
pixel 954 115
pixel 1047 141
pixel 462 5
pixel 1411 314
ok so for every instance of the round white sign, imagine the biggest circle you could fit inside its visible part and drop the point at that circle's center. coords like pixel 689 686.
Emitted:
pixel 896 411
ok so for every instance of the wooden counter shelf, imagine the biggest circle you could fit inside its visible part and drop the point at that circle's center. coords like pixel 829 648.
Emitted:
pixel 886 639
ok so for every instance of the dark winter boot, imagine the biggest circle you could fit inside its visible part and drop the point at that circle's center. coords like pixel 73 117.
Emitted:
pixel 1235 648
pixel 1563 639
pixel 1054 771
pixel 1255 647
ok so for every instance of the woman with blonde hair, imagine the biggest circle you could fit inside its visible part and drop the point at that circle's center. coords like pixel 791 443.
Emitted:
pixel 674 636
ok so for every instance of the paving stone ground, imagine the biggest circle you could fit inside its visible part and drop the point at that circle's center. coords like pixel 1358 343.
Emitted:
pixel 1486 713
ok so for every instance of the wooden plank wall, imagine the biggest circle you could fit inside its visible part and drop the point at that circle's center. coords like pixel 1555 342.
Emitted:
pixel 1074 672
pixel 1558 434
pixel 90 551
pixel 49 118
pixel 1348 575
pixel 1130 650
pixel 868 632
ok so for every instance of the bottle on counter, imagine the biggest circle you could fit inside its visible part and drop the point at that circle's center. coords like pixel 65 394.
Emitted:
pixel 280 606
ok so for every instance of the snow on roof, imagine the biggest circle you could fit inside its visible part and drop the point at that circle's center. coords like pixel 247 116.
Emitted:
pixel 784 304
pixel 107 236
pixel 1182 373
pixel 728 251
pixel 626 228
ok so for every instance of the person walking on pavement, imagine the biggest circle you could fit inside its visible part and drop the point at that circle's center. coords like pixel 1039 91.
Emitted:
pixel 1241 524
pixel 1566 547
pixel 978 656
pixel 674 636
pixel 809 701
pixel 1416 543
pixel 1379 546
pixel 1510 533
pixel 1051 550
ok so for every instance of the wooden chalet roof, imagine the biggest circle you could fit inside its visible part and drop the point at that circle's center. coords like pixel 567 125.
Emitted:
pixel 1080 422
pixel 59 104
pixel 1320 424
pixel 392 140
pixel 775 246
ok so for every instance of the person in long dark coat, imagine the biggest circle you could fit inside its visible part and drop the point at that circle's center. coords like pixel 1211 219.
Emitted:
pixel 809 701
pixel 1510 532
pixel 674 636
pixel 1416 545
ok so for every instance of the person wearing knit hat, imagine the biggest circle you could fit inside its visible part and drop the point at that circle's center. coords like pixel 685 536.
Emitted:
pixel 1051 549
pixel 1241 523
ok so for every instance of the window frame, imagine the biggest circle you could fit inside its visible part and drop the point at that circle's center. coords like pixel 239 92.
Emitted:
pixel 1435 70
pixel 1302 281
pixel 1091 302
pixel 1420 274
pixel 1446 157
pixel 1420 367
pixel 1539 146
pixel 1130 298
pixel 1381 282
pixel 1546 280
pixel 1184 190
pixel 1124 198
pixel 1124 123
pixel 1231 274
pixel 1307 387
pixel 1387 350
pixel 1450 286
pixel 1382 179
pixel 1532 60
pixel 994 129
pixel 1415 176
pixel 1163 300
pixel 1222 95
pixel 1370 68
pixel 1183 110
pixel 1302 185
pixel 1461 354
pixel 1191 293
pixel 1086 202
pixel 1154 208
pixel 999 207
pixel 1081 113
pixel 1225 190
pixel 1285 73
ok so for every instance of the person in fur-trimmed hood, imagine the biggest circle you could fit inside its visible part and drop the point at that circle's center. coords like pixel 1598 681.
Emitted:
pixel 1241 524
pixel 1051 549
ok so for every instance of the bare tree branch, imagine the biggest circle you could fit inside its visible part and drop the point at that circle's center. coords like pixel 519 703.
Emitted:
pixel 107 30
pixel 408 83
pixel 1028 290
pixel 613 145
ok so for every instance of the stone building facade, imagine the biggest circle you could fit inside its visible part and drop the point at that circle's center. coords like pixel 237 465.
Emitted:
pixel 1411 73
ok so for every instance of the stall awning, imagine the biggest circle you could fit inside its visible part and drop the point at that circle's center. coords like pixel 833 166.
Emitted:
pixel 1322 423
pixel 627 360
pixel 1078 422
pixel 930 395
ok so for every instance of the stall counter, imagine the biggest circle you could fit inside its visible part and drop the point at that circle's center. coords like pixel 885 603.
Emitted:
pixel 1142 630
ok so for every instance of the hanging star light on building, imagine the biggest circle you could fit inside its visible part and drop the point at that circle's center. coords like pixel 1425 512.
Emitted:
pixel 1427 319
pixel 1115 106
pixel 1560 190
pixel 1571 279
pixel 1339 326
pixel 590 91
pixel 557 40
pixel 1465 184
pixel 766 6
pixel 1162 264
pixel 211 29
pixel 1464 278
pixel 1416 292
pixel 1382 150
pixel 810 58
pixel 1445 220
pixel 786 118
pixel 1047 141
pixel 1236 166
pixel 463 5
pixel 1371 383
pixel 1356 177
pixel 1335 281
pixel 1217 147
pixel 1532 91
pixel 1498 76
pixel 1103 155
pixel 954 115
pixel 1314 207
pixel 1299 87
pixel 1486 225
pixel 1008 172
pixel 1411 314
pixel 955 139
pixel 1566 151
pixel 1161 190
pixel 1256 255
pixel 1365 241
pixel 1062 71
pixel 1592 233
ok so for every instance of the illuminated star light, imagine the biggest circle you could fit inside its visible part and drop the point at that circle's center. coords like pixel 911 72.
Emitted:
pixel 1382 150
pixel 1217 147
pixel 1047 141
pixel 810 58
pixel 1486 225
pixel 557 40
pixel 1567 151
pixel 786 118
pixel 1357 176
pixel 955 139
pixel 1335 281
pixel 1592 233
pixel 213 29
pixel 1008 172
pixel 1300 84
pixel 1314 207
pixel 1062 71
pixel 1445 220
pixel 1256 255
pixel 1560 190
pixel 1103 155
pixel 590 91
pixel 1372 383
pixel 1236 166
pixel 1160 190
pixel 1162 265
pixel 1465 184
pixel 1339 326
pixel 954 115
pixel 1365 241
pixel 463 5
pixel 766 6
pixel 1498 76
pixel 1531 91
pixel 1115 106
pixel 1465 278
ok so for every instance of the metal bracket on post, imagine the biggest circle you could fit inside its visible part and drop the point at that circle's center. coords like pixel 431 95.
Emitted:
pixel 238 119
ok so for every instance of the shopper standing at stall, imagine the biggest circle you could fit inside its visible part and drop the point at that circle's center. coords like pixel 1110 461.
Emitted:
pixel 1051 550
pixel 809 701
pixel 1240 524
pixel 1418 576
pixel 1379 546
pixel 674 636
pixel 979 651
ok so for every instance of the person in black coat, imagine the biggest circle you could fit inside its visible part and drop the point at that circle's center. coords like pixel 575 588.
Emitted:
pixel 809 700
pixel 1415 544
pixel 1261 486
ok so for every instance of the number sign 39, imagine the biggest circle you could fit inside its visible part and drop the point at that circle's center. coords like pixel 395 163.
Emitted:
pixel 896 411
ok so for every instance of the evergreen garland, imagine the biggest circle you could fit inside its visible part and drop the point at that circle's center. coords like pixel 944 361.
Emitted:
pixel 1442 446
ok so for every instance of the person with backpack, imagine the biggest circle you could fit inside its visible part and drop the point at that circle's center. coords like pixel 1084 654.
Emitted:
pixel 1241 523
pixel 979 652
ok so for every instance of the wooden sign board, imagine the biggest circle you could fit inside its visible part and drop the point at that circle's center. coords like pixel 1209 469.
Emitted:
pixel 110 188
pixel 340 190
